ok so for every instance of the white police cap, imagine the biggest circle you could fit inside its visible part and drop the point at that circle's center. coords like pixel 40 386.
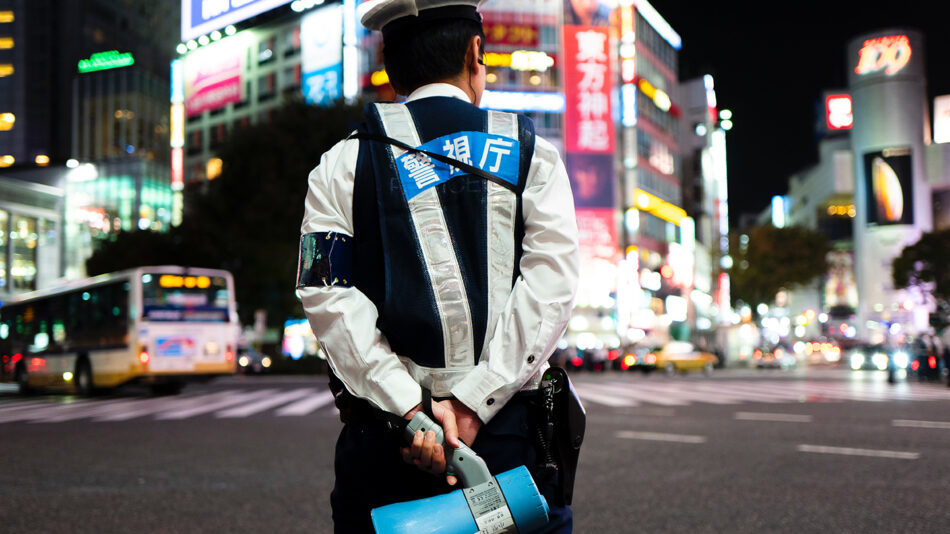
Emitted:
pixel 378 14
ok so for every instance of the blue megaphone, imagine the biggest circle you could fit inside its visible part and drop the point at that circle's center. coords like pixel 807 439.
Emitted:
pixel 509 502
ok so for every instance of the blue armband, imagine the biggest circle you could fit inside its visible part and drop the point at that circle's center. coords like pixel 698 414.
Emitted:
pixel 326 259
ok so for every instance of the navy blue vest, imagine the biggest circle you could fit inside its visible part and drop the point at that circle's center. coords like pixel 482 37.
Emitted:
pixel 387 259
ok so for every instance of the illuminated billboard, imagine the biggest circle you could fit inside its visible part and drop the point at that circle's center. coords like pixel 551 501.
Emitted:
pixel 591 179
pixel 838 113
pixel 889 186
pixel 588 126
pixel 199 17
pixel 321 48
pixel 213 75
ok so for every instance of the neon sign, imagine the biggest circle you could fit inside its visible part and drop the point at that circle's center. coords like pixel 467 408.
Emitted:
pixel 838 115
pixel 890 54
pixel 524 60
pixel 111 59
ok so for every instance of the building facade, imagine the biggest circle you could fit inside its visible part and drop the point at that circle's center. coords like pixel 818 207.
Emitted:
pixel 880 183
pixel 84 93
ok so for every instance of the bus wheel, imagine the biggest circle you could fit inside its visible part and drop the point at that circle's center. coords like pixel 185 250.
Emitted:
pixel 23 380
pixel 83 378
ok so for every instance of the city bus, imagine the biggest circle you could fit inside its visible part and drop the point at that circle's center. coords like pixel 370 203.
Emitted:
pixel 156 326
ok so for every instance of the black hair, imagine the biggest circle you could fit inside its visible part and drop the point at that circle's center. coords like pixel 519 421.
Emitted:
pixel 428 52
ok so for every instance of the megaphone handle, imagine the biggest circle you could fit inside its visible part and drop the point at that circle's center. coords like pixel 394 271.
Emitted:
pixel 463 461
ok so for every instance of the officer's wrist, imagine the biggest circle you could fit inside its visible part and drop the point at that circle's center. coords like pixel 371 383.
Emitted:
pixel 412 413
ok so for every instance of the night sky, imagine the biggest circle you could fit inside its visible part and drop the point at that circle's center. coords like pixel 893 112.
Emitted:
pixel 772 60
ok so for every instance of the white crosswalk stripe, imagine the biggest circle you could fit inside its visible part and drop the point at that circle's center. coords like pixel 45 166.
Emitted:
pixel 229 400
pixel 257 407
pixel 308 405
pixel 226 404
pixel 620 393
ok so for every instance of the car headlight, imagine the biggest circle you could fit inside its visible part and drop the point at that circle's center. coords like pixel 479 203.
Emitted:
pixel 880 360
pixel 243 361
pixel 857 360
pixel 901 359
pixel 265 361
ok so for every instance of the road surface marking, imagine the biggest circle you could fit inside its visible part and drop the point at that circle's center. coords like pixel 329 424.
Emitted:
pixel 36 412
pixel 604 396
pixel 779 417
pixel 636 393
pixel 100 410
pixel 655 436
pixel 848 451
pixel 161 405
pixel 276 400
pixel 909 423
pixel 307 405
pixel 228 400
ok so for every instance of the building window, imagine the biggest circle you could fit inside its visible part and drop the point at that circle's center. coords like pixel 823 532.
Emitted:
pixel 195 143
pixel 217 135
pixel 23 241
pixel 266 87
pixel 265 51
pixel 291 42
pixel 4 219
pixel 290 79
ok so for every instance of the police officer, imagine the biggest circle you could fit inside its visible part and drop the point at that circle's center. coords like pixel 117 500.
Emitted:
pixel 454 275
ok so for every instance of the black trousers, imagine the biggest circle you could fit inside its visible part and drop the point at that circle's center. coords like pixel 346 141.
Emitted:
pixel 370 471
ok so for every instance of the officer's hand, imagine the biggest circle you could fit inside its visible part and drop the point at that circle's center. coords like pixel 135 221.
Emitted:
pixel 424 452
pixel 466 420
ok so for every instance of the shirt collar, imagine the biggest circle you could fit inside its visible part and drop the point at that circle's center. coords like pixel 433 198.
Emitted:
pixel 438 89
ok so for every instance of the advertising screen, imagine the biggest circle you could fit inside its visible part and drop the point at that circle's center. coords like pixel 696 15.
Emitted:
pixel 321 44
pixel 588 126
pixel 591 179
pixel 213 75
pixel 889 185
pixel 199 17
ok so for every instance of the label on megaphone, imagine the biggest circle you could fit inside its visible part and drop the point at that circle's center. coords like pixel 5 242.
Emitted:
pixel 489 508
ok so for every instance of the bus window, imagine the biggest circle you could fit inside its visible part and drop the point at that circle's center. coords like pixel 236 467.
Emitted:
pixel 170 297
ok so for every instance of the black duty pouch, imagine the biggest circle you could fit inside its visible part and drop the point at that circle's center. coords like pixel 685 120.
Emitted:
pixel 562 425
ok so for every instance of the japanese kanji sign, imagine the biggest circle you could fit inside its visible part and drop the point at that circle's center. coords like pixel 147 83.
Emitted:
pixel 495 154
pixel 587 83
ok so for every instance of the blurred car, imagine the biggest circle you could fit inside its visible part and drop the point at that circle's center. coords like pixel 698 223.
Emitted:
pixel 876 358
pixel 822 352
pixel 777 357
pixel 925 357
pixel 637 358
pixel 682 356
pixel 252 361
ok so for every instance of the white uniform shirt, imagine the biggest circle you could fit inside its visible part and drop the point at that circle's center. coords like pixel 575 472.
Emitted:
pixel 532 321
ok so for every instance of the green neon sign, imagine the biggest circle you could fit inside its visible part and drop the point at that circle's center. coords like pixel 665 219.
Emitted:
pixel 105 60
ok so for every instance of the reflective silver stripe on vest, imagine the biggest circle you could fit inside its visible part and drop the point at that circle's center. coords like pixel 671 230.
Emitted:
pixel 437 250
pixel 502 208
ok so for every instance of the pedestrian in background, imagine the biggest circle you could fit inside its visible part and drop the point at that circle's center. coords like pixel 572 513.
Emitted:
pixel 418 275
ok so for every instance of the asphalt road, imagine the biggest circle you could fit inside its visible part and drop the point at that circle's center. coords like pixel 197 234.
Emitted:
pixel 741 451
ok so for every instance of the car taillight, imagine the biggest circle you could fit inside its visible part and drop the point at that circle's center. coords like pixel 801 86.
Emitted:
pixel 229 355
pixel 932 362
pixel 613 355
pixel 577 361
pixel 757 354
pixel 914 365
pixel 143 356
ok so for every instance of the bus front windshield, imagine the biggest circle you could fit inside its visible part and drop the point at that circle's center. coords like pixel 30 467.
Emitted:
pixel 173 297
